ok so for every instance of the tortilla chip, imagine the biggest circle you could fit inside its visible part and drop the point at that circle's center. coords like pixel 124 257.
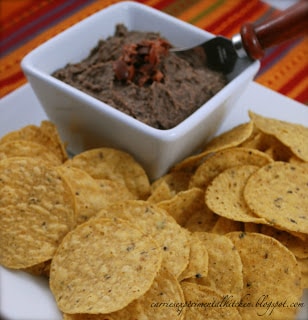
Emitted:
pixel 283 188
pixel 201 304
pixel 223 160
pixel 228 139
pixel 25 148
pixel 116 165
pixel 225 225
pixel 294 136
pixel 198 260
pixel 224 195
pixel 271 274
pixel 102 266
pixel 37 210
pixel 221 257
pixel 184 204
pixel 156 222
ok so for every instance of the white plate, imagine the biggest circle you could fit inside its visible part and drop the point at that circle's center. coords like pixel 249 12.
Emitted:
pixel 24 297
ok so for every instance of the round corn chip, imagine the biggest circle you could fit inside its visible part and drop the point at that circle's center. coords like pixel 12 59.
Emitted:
pixel 231 138
pixel 224 195
pixel 25 148
pixel 154 221
pixel 87 316
pixel 270 145
pixel 37 210
pixel 184 204
pixel 225 274
pixel 102 266
pixel 151 305
pixel 35 134
pixel 225 159
pixel 198 259
pixel 271 274
pixel 89 196
pixel 40 269
pixel 294 136
pixel 160 193
pixel 202 220
pixel 283 188
pixel 116 191
pixel 112 164
pixel 164 289
pixel 303 266
pixel 51 130
pixel 176 180
pixel 203 303
pixel 225 225
pixel 298 246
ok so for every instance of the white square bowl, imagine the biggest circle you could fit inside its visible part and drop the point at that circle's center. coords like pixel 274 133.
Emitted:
pixel 85 122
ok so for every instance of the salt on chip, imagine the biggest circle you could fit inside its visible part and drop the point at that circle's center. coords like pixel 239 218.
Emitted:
pixel 156 222
pixel 103 265
pixel 112 164
pixel 201 304
pixel 283 188
pixel 221 257
pixel 37 210
pixel 225 159
pixel 224 195
pixel 231 138
pixel 184 204
pixel 270 272
pixel 294 136
pixel 25 148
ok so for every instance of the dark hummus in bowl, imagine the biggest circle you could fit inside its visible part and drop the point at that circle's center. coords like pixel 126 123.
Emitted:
pixel 136 73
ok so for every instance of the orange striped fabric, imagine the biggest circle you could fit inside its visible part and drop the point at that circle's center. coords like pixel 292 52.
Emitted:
pixel 25 24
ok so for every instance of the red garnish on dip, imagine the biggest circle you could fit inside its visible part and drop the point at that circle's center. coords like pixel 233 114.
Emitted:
pixel 139 62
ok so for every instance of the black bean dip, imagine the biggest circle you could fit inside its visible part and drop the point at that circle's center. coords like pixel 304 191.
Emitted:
pixel 136 73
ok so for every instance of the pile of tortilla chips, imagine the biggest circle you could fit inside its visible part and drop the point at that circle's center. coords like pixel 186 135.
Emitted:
pixel 223 235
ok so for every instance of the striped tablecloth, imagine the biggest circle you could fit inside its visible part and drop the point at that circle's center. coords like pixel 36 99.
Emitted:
pixel 25 24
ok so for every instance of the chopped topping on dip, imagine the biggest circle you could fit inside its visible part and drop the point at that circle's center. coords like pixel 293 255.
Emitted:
pixel 140 61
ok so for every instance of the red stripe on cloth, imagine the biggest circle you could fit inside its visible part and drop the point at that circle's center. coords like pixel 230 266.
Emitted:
pixel 237 23
pixel 162 4
pixel 34 12
pixel 291 84
pixel 12 79
pixel 216 25
pixel 303 96
pixel 52 17
pixel 275 54
pixel 8 19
